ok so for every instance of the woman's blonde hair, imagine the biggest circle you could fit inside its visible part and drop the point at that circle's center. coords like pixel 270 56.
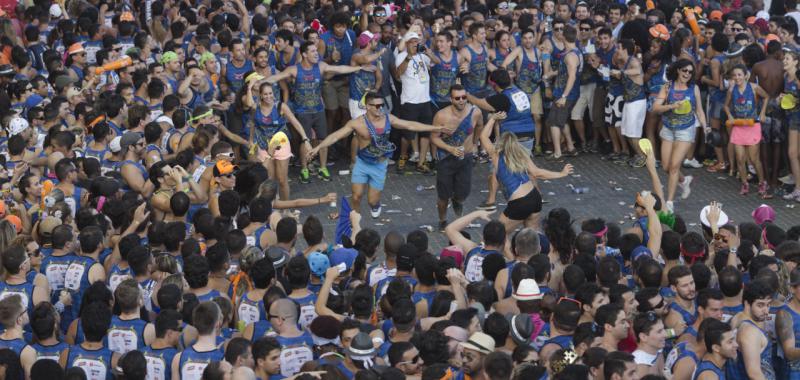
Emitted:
pixel 175 279
pixel 166 264
pixel 515 155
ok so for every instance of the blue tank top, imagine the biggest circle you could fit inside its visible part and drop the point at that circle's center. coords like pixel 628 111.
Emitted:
pixel 379 148
pixel 708 366
pixel 427 296
pixel 656 81
pixel 557 52
pixel 159 362
pixel 209 296
pixel 343 44
pixel 262 328
pixel 475 81
pixel 792 367
pixel 518 119
pixel 443 76
pixel 49 352
pixel 530 73
pixel 380 288
pixel 510 284
pixel 509 180
pixel 117 275
pixel 735 370
pixel 193 362
pixel 78 71
pixel 267 125
pixel 126 335
pixel 672 120
pixel 499 57
pixel 459 136
pixel 688 317
pixel 55 269
pixel 729 311
pixel 743 105
pixel 295 352
pixel 100 155
pixel 24 290
pixel 633 91
pixel 257 235
pixel 360 81
pixel 563 341
pixel 235 75
pixel 77 281
pixel 138 166
pixel 307 309
pixel 153 147
pixel 251 311
pixel 563 77
pixel 95 363
pixel 715 94
pixel 16 345
pixel 792 87
pixel 307 95
pixel 281 63
pixel 473 263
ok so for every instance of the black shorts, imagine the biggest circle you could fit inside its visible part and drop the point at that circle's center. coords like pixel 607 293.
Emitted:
pixel 421 113
pixel 559 116
pixel 522 208
pixel 314 125
pixel 454 177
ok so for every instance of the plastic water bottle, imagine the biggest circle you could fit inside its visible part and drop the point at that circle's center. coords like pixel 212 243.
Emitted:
pixel 420 188
pixel 580 190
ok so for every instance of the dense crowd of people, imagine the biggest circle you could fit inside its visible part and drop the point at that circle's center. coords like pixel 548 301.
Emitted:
pixel 147 227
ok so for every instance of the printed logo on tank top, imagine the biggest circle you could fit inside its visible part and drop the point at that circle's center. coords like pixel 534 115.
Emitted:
pixel 122 339
pixel 94 368
pixel 22 295
pixel 72 280
pixel 156 367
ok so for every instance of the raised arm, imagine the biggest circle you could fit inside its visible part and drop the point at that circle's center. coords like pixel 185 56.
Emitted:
pixel 321 307
pixel 453 230
pixel 338 69
pixel 397 122
pixel 538 172
pixel 480 103
pixel 517 52
pixel 290 72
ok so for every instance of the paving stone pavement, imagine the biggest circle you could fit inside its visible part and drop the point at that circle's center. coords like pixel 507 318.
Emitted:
pixel 406 209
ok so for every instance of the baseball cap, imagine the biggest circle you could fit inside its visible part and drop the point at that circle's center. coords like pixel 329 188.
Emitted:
pixel 114 145
pixel 715 15
pixel 344 256
pixel 63 81
pixel 528 290
pixel 6 69
pixel 205 57
pixel 763 214
pixel 73 91
pixel 410 36
pixel 55 11
pixel 129 138
pixel 639 252
pixel 365 38
pixel 318 263
pixel 224 167
pixel 126 16
pixel 75 48
pixel 17 125
pixel 659 31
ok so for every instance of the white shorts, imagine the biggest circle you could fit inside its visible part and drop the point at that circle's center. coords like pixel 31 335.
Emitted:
pixel 584 101
pixel 633 118
pixel 356 109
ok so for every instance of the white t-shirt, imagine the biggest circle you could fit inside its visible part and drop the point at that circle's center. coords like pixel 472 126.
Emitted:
pixel 644 358
pixel 416 79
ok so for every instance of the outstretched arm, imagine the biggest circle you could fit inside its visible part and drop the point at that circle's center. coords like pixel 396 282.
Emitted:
pixel 338 69
pixel 333 138
pixel 453 230
pixel 290 72
pixel 397 122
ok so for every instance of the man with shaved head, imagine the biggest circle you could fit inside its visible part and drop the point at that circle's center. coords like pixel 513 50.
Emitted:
pixel 295 344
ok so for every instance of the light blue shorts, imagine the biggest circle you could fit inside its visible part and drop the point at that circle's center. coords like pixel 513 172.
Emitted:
pixel 684 135
pixel 372 174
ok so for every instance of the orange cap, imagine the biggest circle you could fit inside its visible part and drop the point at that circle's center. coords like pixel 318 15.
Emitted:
pixel 75 48
pixel 659 31
pixel 16 221
pixel 126 16
pixel 751 20
pixel 2 209
pixel 715 16
pixel 771 37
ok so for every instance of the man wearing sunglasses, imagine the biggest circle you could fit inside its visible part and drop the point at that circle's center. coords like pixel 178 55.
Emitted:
pixel 133 172
pixel 405 357
pixel 454 174
pixel 374 149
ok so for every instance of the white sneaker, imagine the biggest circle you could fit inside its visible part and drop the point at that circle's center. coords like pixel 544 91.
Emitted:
pixel 670 207
pixel 414 157
pixel 375 213
pixel 787 179
pixel 685 186
pixel 692 164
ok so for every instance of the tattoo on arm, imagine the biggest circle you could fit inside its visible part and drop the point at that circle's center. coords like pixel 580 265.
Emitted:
pixel 783 326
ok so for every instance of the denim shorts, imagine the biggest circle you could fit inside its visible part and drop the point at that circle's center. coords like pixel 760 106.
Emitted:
pixel 372 174
pixel 684 135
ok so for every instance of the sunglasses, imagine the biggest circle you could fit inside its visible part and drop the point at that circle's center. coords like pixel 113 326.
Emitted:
pixel 379 15
pixel 737 30
pixel 412 361
pixel 376 105
pixel 558 29
pixel 463 97
pixel 660 304
pixel 226 154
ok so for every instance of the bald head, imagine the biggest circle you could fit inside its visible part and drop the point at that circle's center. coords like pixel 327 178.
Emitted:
pixel 243 373
pixel 284 308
